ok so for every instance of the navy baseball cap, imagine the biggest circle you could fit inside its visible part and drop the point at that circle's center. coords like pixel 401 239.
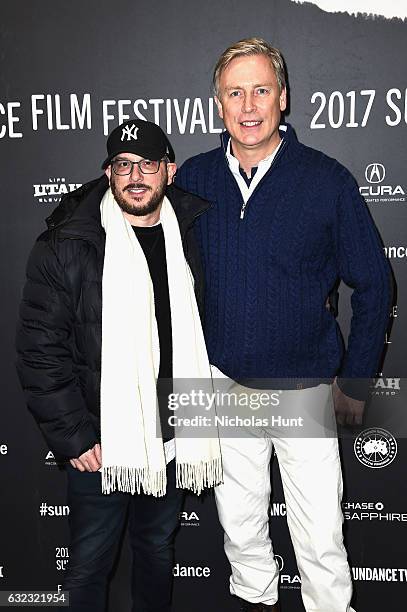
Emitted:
pixel 142 138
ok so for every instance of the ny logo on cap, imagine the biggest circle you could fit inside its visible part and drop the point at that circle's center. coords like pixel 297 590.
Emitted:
pixel 130 131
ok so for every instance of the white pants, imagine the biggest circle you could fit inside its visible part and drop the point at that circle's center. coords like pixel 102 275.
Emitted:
pixel 312 482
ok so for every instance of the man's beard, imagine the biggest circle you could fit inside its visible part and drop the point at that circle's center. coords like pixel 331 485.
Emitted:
pixel 156 197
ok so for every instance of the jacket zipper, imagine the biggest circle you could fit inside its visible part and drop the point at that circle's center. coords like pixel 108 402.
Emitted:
pixel 244 205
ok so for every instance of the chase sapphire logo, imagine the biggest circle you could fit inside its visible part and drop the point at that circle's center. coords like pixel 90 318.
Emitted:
pixel 375 447
pixel 375 173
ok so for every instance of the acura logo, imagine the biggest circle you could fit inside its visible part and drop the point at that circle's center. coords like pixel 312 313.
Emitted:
pixel 375 173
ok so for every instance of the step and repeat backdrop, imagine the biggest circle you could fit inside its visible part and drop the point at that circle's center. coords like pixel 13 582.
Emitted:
pixel 70 72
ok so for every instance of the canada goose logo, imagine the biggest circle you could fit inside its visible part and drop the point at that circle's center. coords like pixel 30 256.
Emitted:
pixel 375 447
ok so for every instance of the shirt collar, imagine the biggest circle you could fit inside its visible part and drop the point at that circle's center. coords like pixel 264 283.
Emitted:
pixel 234 162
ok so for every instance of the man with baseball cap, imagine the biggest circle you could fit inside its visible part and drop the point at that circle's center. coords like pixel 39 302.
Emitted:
pixel 109 313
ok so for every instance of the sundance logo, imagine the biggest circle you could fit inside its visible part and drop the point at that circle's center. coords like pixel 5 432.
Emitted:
pixel 47 510
pixel 3 449
pixel 376 192
pixel 191 571
pixel 52 191
pixel 395 252
pixel 278 509
pixel 379 574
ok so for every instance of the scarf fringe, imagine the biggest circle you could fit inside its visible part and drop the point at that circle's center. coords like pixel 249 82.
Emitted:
pixel 199 475
pixel 132 480
pixel 188 476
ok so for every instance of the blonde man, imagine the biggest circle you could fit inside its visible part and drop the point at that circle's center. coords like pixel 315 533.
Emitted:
pixel 287 223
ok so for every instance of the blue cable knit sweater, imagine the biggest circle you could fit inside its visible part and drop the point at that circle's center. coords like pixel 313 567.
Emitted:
pixel 269 273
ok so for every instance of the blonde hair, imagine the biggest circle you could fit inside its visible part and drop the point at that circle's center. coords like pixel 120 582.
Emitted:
pixel 245 48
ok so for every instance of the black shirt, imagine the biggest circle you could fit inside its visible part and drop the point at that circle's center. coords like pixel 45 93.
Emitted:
pixel 152 242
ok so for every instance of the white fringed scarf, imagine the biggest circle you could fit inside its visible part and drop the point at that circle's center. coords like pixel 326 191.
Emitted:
pixel 132 451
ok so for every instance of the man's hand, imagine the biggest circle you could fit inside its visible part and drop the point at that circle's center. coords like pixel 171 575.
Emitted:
pixel 348 411
pixel 90 461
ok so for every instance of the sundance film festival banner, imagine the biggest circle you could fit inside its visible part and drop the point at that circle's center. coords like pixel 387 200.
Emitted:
pixel 70 73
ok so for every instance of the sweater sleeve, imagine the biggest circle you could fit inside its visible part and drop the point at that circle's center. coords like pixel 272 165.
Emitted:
pixel 363 267
pixel 44 362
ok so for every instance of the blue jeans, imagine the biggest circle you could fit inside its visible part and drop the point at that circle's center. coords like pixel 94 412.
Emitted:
pixel 96 523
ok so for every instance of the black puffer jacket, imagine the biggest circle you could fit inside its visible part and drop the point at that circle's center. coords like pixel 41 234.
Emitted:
pixel 59 331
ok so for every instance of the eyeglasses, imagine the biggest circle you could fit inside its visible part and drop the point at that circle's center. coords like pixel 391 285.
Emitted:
pixel 122 167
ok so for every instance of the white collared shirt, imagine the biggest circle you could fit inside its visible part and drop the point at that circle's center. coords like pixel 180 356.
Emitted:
pixel 263 166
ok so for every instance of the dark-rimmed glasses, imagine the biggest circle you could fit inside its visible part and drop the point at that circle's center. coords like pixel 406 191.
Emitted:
pixel 122 166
